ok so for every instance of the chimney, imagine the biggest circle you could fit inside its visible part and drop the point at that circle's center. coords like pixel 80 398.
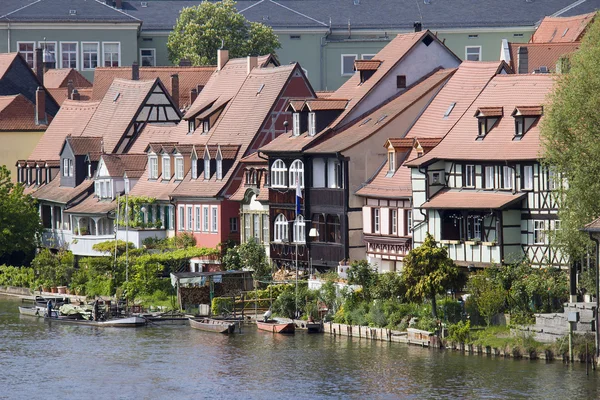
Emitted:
pixel 193 95
pixel 184 62
pixel 222 58
pixel 418 26
pixel 175 89
pixel 522 60
pixel 135 71
pixel 70 89
pixel 252 62
pixel 199 88
pixel 75 95
pixel 39 65
pixel 40 106
pixel 119 4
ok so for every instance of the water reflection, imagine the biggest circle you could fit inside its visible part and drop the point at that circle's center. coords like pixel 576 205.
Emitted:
pixel 66 361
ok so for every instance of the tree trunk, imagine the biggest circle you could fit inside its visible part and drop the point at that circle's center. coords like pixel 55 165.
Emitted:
pixel 434 308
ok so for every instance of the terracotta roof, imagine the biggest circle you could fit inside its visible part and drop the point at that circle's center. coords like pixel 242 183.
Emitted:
pixel 118 164
pixel 6 60
pixel 63 195
pixel 528 111
pixel 116 111
pixel 59 78
pixel 72 118
pixel 326 104
pixel 216 106
pixel 189 78
pixel 562 29
pixel 17 113
pixel 398 143
pixel 489 112
pixel 382 116
pixel 593 226
pixel 366 65
pixel 297 104
pixel 472 199
pixel 61 94
pixel 158 189
pixel 94 155
pixel 263 192
pixel 428 142
pixel 83 145
pixel 93 205
pixel 253 159
pixel 185 149
pixel 498 145
pixel 323 94
pixel 53 163
pixel 152 135
pixel 541 55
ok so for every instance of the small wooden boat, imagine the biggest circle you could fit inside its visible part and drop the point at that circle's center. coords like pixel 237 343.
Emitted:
pixel 276 326
pixel 36 311
pixel 131 322
pixel 212 325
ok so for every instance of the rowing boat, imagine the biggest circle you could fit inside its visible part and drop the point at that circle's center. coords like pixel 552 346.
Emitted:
pixel 212 325
pixel 276 326
pixel 130 322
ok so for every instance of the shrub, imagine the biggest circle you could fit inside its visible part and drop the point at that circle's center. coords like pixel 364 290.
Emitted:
pixel 221 305
pixel 376 316
pixel 451 310
pixel 459 332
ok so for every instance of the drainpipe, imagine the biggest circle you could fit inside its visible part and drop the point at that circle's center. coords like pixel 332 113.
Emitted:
pixel 322 59
pixel 597 338
pixel 8 33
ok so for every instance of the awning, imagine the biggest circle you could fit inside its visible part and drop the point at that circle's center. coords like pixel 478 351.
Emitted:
pixel 473 199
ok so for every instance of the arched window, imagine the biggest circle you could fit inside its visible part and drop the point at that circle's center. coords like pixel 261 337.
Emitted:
pixel 318 222
pixel 299 230
pixel 278 172
pixel 333 229
pixel 281 228
pixel 297 173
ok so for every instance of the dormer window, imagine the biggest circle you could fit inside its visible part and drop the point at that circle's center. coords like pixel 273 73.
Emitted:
pixel 89 169
pixel 191 126
pixel 166 167
pixel 312 124
pixel 296 124
pixel 179 168
pixel 194 167
pixel 153 165
pixel 206 166
pixel 525 117
pixel 487 117
pixel 205 126
pixel 391 161
pixel 219 165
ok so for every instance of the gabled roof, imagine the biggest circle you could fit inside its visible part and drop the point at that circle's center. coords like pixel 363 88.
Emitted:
pixel 60 11
pixel 325 104
pixel 118 164
pixel 18 114
pixel 153 134
pixel 61 94
pixel 366 65
pixel 63 195
pixel 72 118
pixel 562 29
pixel 93 206
pixel 541 55
pixel 189 78
pixel 60 77
pixel 509 91
pixel 83 145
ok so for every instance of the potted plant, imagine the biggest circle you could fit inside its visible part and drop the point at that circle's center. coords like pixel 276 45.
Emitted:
pixel 473 241
pixel 587 284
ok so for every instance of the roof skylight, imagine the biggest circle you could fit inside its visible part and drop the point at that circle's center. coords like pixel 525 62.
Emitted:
pixel 449 110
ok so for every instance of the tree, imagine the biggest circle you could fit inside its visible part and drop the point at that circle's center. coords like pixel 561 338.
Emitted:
pixel 201 30
pixel 571 146
pixel 249 255
pixel 489 296
pixel 428 271
pixel 20 222
pixel 363 274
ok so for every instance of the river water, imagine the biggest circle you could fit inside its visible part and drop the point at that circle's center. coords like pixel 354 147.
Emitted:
pixel 42 361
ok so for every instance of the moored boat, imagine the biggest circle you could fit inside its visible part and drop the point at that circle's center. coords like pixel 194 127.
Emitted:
pixel 212 325
pixel 130 322
pixel 276 326
pixel 36 311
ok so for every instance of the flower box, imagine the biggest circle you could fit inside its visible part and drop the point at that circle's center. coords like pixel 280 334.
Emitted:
pixel 450 241
pixel 490 244
pixel 473 242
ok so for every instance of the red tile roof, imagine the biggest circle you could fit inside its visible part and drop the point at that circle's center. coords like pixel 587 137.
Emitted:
pixel 366 65
pixel 326 104
pixel 489 112
pixel 562 29
pixel 158 189
pixel 59 78
pixel 71 119
pixel 63 195
pixel 118 164
pixel 61 94
pixel 541 54
pixel 498 145
pixel 297 105
pixel 189 78
pixel 82 145
pixel 6 60
pixel 473 199
pixel 17 113
pixel 528 111
pixel 398 143
pixel 593 226
pixel 93 205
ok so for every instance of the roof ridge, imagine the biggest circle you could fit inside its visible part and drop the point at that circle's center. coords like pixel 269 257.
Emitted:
pixel 249 7
pixel 567 8
pixel 19 9
pixel 299 13
pixel 116 9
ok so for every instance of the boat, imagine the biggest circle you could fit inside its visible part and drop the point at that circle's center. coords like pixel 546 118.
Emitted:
pixel 212 325
pixel 36 311
pixel 130 322
pixel 275 326
pixel 314 327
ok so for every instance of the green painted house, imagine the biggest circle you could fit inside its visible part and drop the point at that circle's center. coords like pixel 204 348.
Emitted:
pixel 324 36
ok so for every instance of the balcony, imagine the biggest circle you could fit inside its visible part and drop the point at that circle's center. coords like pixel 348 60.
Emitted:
pixel 287 251
pixel 325 196
pixel 57 239
pixel 82 245
pixel 282 196
pixel 328 254
pixel 388 247
pixel 475 253
pixel 137 236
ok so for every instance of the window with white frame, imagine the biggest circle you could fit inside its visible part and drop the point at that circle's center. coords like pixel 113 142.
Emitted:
pixel 148 57
pixel 65 167
pixel 197 219
pixel 334 173
pixel 49 53
pixel 27 50
pixel 507 177
pixel 153 161
pixel 205 218
pixel 190 218
pixel 312 124
pixel 194 168
pixel 265 228
pixel 477 228
pixel 408 220
pixel 391 162
pixel 191 125
pixel 112 54
pixel 473 53
pixel 90 55
pixel 68 55
pixel 171 216
pixel 166 167
pixel 394 221
pixel 219 166
pixel 181 218
pixel 214 219
pixel 71 173
pixel 278 174
pixel 179 168
pixel 367 56
pixel 205 126
pixel 528 177
pixel 281 228
pixel 469 176
pixel 206 166
pixel 376 220
pixel 539 232
pixel 348 63
pixel 296 124
pixel 552 179
pixel 256 226
pixel 489 177
pixel 247 227
pixel 299 229
pixel 297 173
pixel 233 224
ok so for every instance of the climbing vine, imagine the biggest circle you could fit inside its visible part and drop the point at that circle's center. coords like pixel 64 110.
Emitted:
pixel 136 215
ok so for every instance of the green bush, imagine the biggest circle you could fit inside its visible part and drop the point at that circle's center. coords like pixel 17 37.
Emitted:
pixel 376 317
pixel 221 305
pixel 17 276
pixel 450 310
pixel 459 332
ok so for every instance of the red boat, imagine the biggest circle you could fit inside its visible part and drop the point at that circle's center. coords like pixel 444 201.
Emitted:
pixel 276 326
